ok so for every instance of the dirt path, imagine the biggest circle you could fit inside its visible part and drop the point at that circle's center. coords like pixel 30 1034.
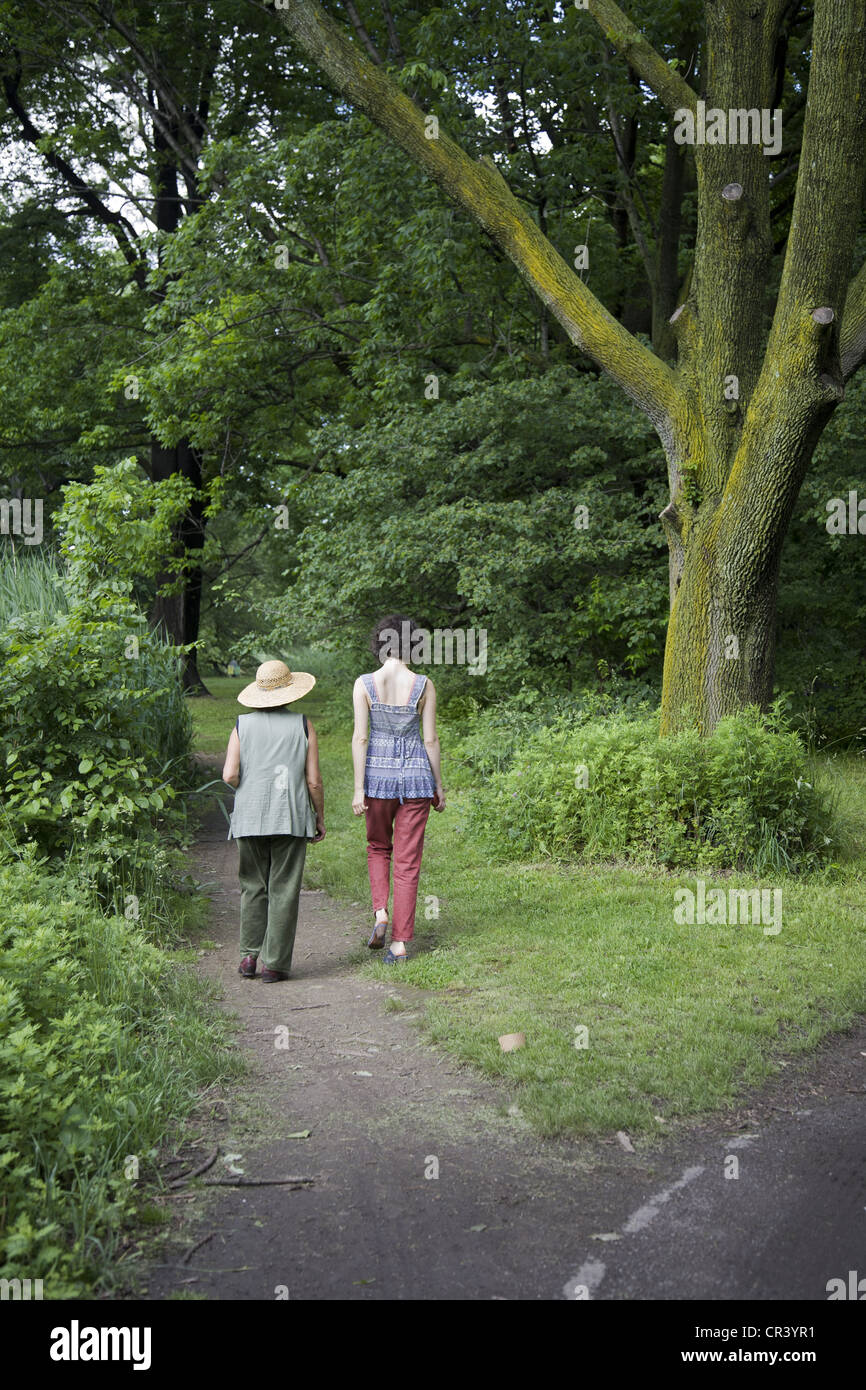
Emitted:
pixel 509 1216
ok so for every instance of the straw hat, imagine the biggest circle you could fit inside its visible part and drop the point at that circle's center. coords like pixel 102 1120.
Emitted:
pixel 275 685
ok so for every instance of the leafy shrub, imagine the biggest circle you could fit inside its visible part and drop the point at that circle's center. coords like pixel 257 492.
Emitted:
pixel 480 740
pixel 93 721
pixel 103 1044
pixel 740 797
pixel 93 1020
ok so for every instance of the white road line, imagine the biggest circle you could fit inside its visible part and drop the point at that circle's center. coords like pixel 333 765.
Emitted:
pixel 587 1278
pixel 742 1141
pixel 591 1272
pixel 640 1219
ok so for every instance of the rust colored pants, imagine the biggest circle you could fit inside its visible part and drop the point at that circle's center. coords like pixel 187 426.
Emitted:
pixel 396 831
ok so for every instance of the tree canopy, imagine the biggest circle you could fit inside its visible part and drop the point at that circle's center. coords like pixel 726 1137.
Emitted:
pixel 216 263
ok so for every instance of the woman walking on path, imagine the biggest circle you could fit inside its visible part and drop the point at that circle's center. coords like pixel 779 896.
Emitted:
pixel 397 778
pixel 273 761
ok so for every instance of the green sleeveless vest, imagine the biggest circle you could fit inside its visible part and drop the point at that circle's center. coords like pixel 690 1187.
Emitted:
pixel 272 796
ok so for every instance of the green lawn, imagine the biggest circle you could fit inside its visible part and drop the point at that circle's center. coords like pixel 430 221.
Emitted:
pixel 679 1020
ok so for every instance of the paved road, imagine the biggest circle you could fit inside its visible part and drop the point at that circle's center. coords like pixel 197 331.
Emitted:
pixel 793 1217
pixel 509 1216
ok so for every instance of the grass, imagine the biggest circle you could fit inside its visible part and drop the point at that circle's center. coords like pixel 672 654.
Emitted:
pixel 31 583
pixel 680 1020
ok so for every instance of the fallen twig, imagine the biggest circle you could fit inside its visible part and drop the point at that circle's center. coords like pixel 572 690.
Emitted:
pixel 293 1008
pixel 234 1269
pixel 257 1182
pixel 183 1178
pixel 189 1254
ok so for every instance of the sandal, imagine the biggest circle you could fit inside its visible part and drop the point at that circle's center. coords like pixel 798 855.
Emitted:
pixel 390 959
pixel 377 938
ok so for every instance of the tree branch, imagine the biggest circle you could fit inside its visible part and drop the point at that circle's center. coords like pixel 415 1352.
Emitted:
pixel 359 29
pixel 801 379
pixel 169 96
pixel 478 187
pixel 123 230
pixel 393 37
pixel 626 179
pixel 826 210
pixel 671 89
pixel 852 337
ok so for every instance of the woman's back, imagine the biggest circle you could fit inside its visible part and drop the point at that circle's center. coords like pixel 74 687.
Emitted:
pixel 396 764
pixel 397 777
pixel 272 797
pixel 394 685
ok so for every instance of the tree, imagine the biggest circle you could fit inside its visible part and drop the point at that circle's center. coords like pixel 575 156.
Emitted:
pixel 117 103
pixel 740 410
pixel 476 506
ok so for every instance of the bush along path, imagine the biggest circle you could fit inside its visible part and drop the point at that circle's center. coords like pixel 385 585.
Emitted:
pixel 423 1181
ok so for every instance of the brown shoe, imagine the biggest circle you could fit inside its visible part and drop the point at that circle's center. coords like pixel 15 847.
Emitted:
pixel 270 977
pixel 247 967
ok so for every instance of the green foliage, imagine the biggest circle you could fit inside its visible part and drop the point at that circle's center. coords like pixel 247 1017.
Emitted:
pixel 118 529
pixel 93 1023
pixel 92 744
pixel 31 584
pixel 469 505
pixel 102 1043
pixel 316 278
pixel 63 414
pixel 93 721
pixel 602 788
pixel 483 739
pixel 822 593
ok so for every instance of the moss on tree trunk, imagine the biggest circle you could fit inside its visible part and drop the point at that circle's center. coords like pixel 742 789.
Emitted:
pixel 741 412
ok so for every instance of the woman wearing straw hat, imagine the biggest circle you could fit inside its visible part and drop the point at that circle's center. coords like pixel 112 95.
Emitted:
pixel 273 761
pixel 397 778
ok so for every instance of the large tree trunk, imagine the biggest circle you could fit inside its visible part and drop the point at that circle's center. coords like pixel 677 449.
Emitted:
pixel 755 409
pixel 724 574
pixel 722 630
pixel 178 614
pixel 741 413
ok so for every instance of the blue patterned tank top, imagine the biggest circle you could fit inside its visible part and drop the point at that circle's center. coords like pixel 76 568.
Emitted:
pixel 397 763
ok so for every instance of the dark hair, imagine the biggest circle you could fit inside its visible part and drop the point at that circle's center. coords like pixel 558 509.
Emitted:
pixel 387 637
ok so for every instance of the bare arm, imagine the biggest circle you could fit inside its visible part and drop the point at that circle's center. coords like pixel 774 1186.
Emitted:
pixel 232 764
pixel 360 739
pixel 431 742
pixel 315 784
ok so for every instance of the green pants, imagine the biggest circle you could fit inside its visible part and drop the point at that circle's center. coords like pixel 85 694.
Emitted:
pixel 270 870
